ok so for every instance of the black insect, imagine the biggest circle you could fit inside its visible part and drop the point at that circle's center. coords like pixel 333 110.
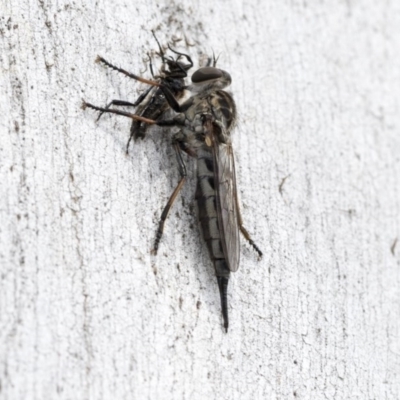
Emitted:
pixel 204 123
pixel 152 103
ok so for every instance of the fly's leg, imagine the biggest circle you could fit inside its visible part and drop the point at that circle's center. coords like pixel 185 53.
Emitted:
pixel 135 117
pixel 133 76
pixel 176 121
pixel 160 122
pixel 190 65
pixel 118 112
pixel 159 47
pixel 249 239
pixel 123 103
pixel 126 73
pixel 164 215
pixel 119 103
pixel 182 55
pixel 244 230
pixel 135 126
pixel 151 66
pixel 166 90
pixel 177 147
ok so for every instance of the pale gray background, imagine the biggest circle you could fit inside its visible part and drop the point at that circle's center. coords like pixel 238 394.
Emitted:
pixel 87 313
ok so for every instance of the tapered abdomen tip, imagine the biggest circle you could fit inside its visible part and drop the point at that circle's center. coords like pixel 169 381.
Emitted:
pixel 223 290
pixel 226 325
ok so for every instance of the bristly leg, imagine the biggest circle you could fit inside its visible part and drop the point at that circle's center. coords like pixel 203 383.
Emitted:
pixel 244 230
pixel 190 65
pixel 250 240
pixel 118 112
pixel 119 103
pixel 160 122
pixel 128 74
pixel 164 215
pixel 166 90
pixel 177 148
pixel 223 291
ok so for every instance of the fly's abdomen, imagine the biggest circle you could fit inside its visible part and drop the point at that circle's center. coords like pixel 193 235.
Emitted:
pixel 206 197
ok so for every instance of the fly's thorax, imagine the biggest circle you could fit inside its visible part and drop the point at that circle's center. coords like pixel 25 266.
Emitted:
pixel 216 104
pixel 190 140
pixel 223 108
pixel 199 105
pixel 219 104
pixel 193 131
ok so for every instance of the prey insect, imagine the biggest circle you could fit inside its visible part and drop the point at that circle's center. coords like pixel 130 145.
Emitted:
pixel 204 123
pixel 152 103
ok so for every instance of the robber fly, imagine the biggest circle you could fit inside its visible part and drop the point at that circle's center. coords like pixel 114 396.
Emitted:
pixel 152 103
pixel 204 123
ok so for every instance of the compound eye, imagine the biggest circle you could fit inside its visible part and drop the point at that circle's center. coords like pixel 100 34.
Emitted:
pixel 206 74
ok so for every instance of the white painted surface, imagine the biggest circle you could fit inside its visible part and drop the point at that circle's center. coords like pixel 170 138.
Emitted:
pixel 87 313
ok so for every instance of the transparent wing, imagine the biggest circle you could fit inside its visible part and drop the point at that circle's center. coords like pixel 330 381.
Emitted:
pixel 225 179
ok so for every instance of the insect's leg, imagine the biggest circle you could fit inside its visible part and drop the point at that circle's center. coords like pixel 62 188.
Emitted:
pixel 159 47
pixel 135 126
pixel 118 112
pixel 142 96
pixel 151 66
pixel 177 120
pixel 122 103
pixel 183 55
pixel 128 74
pixel 119 103
pixel 243 229
pixel 249 239
pixel 166 90
pixel 164 215
pixel 169 96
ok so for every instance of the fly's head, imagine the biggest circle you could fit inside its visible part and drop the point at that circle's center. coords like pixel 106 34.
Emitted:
pixel 210 78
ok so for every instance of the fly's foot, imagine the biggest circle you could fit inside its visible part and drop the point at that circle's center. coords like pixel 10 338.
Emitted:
pixel 156 242
pixel 86 105
pixel 248 238
pixel 255 247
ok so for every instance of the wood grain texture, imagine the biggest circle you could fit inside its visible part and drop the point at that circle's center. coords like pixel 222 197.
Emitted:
pixel 86 312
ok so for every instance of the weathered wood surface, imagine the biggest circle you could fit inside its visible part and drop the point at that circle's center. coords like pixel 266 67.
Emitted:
pixel 86 312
